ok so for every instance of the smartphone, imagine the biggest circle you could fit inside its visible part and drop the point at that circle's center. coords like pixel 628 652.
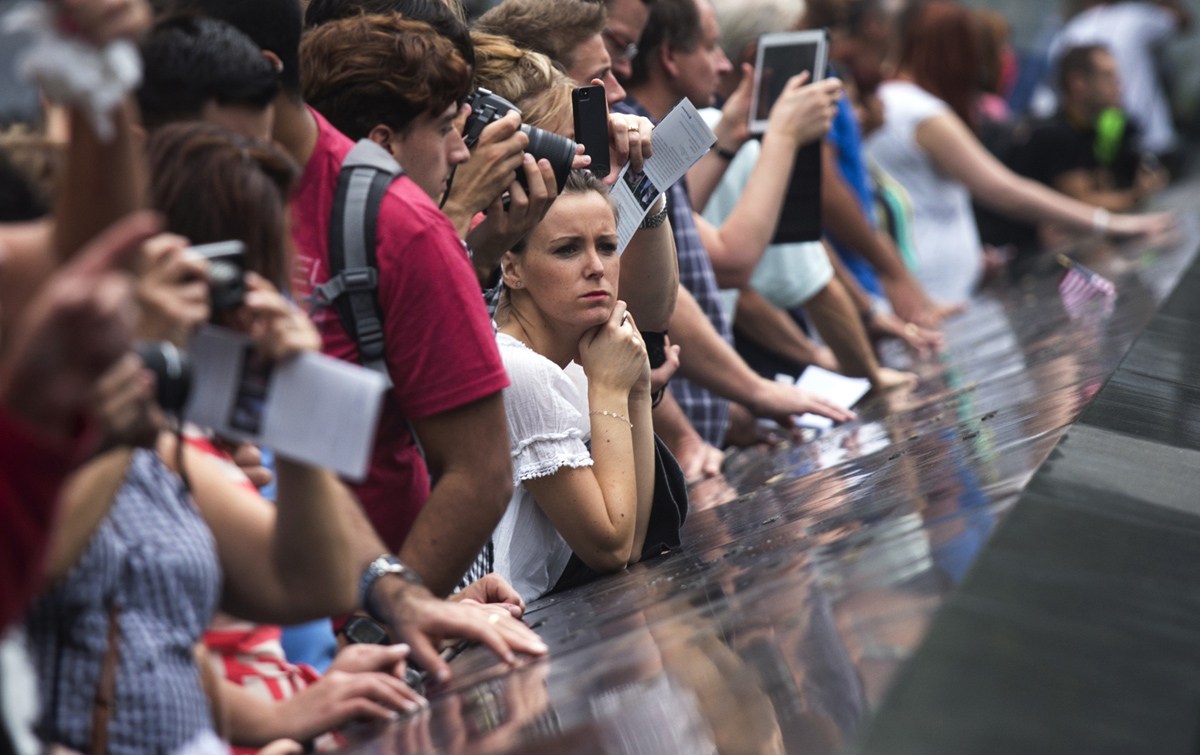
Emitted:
pixel 591 126
pixel 781 56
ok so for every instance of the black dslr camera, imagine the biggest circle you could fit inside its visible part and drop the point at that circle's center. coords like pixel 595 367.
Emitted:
pixel 487 107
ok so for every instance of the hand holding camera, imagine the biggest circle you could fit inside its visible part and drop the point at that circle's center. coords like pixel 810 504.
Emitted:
pixel 278 328
pixel 123 403
pixel 183 287
pixel 172 290
pixel 516 206
pixel 495 160
pixel 513 214
pixel 487 107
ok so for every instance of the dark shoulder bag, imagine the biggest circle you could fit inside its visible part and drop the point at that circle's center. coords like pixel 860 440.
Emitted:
pixel 667 514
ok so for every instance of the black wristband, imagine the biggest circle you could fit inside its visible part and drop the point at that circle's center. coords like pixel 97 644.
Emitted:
pixel 656 347
pixel 724 154
pixel 656 352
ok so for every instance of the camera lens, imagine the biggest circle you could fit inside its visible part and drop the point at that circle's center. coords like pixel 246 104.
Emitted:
pixel 172 373
pixel 559 150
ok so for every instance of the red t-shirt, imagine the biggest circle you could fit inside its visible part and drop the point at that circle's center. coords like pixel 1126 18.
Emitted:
pixel 32 468
pixel 441 351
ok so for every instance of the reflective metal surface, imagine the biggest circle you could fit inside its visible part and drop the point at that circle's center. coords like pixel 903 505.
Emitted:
pixel 1078 629
pixel 807 579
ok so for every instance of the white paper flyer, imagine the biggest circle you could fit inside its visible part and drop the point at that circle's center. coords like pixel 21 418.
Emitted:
pixel 312 409
pixel 680 140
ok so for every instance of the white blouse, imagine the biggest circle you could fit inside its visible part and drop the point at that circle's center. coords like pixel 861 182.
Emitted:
pixel 548 428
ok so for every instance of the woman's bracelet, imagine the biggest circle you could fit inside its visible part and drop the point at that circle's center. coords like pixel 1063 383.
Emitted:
pixel 1100 219
pixel 614 415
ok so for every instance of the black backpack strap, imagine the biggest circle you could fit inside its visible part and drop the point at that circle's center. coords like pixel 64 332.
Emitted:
pixel 365 175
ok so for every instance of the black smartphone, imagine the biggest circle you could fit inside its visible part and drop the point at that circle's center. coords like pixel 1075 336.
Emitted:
pixel 591 126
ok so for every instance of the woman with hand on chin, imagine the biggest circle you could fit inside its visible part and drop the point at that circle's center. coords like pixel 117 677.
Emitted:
pixel 579 404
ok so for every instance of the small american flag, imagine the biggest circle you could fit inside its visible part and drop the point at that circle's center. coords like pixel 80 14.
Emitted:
pixel 1085 293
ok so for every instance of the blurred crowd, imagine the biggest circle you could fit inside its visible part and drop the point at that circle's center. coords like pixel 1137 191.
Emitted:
pixel 405 193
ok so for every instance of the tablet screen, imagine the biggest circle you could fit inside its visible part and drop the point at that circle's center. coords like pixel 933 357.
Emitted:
pixel 780 57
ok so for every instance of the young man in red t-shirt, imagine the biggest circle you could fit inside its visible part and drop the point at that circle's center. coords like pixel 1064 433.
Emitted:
pixel 440 350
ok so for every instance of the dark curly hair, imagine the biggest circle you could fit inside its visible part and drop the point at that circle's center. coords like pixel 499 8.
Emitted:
pixel 365 70
pixel 192 60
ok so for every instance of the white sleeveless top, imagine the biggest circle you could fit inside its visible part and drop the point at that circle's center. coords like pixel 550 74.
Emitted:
pixel 946 242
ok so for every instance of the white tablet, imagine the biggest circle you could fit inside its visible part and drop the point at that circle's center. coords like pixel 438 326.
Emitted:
pixel 781 56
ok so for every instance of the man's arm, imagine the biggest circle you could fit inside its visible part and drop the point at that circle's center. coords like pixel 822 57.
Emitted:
pixel 103 181
pixel 650 274
pixel 833 313
pixel 802 115
pixel 881 324
pixel 467 452
pixel 732 131
pixel 328 521
pixel 774 329
pixel 707 360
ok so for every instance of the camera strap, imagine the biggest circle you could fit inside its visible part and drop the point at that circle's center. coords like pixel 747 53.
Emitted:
pixel 366 173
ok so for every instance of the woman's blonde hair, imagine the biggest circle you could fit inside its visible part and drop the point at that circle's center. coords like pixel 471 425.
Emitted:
pixel 527 79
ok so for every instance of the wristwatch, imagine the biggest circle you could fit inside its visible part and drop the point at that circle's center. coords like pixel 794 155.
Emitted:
pixel 657 219
pixel 385 564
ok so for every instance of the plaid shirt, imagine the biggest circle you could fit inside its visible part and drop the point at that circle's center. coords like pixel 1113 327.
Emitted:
pixel 708 413
pixel 155 558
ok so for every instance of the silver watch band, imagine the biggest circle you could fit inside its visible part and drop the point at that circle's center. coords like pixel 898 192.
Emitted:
pixel 381 566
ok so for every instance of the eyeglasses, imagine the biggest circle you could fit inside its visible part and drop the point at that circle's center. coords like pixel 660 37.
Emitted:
pixel 626 50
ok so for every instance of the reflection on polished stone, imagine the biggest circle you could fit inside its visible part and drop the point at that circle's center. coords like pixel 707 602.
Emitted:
pixel 811 572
